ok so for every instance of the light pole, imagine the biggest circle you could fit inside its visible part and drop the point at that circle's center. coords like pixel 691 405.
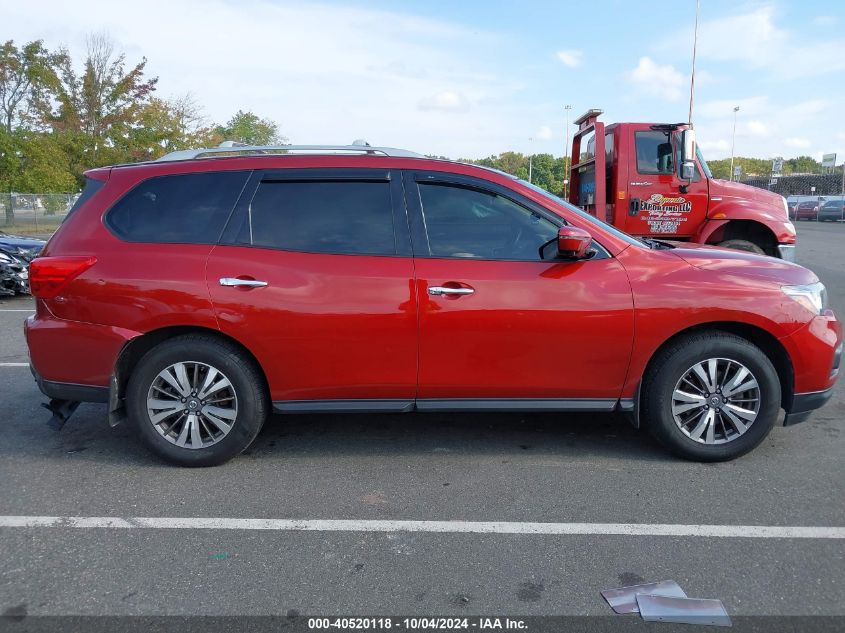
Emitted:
pixel 566 165
pixel 733 141
pixel 530 155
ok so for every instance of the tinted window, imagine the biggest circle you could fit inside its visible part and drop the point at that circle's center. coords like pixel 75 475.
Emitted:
pixel 470 223
pixel 185 208
pixel 346 217
pixel 654 152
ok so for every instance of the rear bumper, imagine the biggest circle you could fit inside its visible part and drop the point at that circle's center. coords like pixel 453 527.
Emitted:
pixel 70 356
pixel 70 391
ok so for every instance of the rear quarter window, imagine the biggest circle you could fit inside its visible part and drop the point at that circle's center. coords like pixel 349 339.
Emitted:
pixel 177 209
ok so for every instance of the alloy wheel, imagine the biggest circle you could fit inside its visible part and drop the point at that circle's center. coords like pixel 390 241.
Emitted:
pixel 192 405
pixel 716 401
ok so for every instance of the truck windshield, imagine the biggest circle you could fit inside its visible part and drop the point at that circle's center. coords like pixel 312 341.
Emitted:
pixel 703 163
pixel 586 216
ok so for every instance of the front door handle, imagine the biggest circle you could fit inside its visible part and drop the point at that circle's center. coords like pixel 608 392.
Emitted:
pixel 436 291
pixel 242 283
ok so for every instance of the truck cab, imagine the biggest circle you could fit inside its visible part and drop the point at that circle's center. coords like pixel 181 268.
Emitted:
pixel 651 180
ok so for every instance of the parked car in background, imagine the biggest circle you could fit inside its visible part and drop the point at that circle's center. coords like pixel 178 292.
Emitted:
pixel 199 292
pixel 808 210
pixel 15 254
pixel 790 209
pixel 832 211
pixel 26 248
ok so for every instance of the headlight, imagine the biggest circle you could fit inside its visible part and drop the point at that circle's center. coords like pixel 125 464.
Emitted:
pixel 811 296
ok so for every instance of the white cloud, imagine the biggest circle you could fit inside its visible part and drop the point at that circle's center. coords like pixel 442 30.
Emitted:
pixel 327 73
pixel 663 82
pixel 755 40
pixel 824 20
pixel 543 134
pixel 446 100
pixel 797 142
pixel 571 58
pixel 757 128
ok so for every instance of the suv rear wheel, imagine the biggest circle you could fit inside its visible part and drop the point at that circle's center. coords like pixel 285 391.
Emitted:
pixel 711 397
pixel 197 400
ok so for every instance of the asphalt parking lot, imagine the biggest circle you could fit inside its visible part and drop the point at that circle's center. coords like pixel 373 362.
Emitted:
pixel 586 469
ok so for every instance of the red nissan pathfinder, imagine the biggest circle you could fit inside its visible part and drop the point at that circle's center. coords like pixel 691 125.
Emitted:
pixel 198 293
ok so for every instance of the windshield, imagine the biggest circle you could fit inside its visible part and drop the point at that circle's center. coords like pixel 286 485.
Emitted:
pixel 582 214
pixel 703 163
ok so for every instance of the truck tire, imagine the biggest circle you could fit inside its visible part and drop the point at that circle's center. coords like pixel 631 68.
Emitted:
pixel 711 397
pixel 742 245
pixel 197 400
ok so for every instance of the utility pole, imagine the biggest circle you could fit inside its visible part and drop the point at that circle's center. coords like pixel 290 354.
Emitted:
pixel 530 156
pixel 566 162
pixel 733 141
pixel 692 75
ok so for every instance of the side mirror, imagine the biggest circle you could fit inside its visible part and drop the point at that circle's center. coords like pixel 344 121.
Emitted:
pixel 688 146
pixel 572 242
pixel 687 154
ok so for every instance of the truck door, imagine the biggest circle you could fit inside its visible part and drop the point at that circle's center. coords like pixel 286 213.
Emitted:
pixel 659 202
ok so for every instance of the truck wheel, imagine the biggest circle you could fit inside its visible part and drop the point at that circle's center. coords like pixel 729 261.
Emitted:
pixel 711 397
pixel 742 245
pixel 197 400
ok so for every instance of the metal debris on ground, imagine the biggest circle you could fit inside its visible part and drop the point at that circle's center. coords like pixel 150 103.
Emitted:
pixel 683 610
pixel 624 599
pixel 666 601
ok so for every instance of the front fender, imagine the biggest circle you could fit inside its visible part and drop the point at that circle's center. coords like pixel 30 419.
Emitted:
pixel 783 231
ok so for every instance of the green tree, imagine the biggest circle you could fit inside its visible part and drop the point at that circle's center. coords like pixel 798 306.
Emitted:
pixel 27 74
pixel 34 161
pixel 246 127
pixel 95 110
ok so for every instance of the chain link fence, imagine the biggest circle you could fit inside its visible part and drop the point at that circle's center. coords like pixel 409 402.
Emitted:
pixel 34 213
pixel 800 184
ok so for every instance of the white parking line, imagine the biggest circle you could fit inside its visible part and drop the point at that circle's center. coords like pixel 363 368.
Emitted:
pixel 14 364
pixel 446 527
pixel 5 310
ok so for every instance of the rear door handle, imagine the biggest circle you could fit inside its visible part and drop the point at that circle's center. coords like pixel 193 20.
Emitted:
pixel 436 291
pixel 242 283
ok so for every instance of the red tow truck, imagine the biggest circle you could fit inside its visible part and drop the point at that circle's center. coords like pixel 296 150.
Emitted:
pixel 650 180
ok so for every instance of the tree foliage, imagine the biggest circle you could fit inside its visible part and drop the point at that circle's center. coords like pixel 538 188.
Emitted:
pixel 62 116
pixel 249 128
pixel 547 171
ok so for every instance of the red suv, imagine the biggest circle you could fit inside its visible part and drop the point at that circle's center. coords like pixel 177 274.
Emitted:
pixel 197 293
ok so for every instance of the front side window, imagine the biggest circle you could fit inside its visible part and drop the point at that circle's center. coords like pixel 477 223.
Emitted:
pixel 341 217
pixel 180 209
pixel 471 223
pixel 654 152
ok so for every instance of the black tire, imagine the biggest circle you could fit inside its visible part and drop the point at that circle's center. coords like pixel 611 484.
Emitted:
pixel 672 362
pixel 742 245
pixel 247 383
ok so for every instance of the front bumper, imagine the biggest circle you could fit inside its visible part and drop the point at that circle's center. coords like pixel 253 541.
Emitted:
pixel 803 404
pixel 787 252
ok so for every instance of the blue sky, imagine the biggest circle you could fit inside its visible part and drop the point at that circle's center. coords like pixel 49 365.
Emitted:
pixel 472 78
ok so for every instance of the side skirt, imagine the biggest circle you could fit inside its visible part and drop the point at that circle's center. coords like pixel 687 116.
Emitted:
pixel 447 404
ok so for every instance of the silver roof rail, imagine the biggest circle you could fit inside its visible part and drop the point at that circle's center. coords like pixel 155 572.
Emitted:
pixel 230 148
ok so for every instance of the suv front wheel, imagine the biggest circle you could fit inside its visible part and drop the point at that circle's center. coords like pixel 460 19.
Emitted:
pixel 711 397
pixel 197 400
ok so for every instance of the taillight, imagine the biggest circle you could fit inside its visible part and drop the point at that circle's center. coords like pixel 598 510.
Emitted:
pixel 48 275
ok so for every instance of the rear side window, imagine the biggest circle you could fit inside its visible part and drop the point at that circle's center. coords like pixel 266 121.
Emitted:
pixel 183 209
pixel 321 216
